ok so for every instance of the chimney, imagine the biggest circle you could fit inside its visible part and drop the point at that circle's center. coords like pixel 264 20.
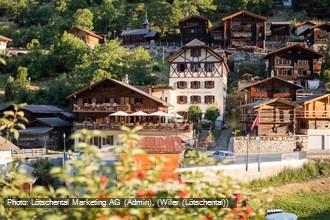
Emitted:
pixel 125 80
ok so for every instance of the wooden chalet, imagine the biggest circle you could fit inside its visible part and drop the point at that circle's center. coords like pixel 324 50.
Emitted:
pixel 318 36
pixel 244 29
pixel 294 63
pixel 140 35
pixel 194 27
pixel 269 88
pixel 276 117
pixel 280 31
pixel 108 104
pixel 89 37
pixel 216 33
pixel 313 113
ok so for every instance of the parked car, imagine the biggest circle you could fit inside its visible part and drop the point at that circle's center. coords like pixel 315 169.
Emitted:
pixel 223 155
pixel 279 214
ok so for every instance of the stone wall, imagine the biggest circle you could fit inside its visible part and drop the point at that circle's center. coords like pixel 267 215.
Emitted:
pixel 266 144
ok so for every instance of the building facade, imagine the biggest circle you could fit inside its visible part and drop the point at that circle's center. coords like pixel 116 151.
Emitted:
pixel 244 29
pixel 194 27
pixel 3 44
pixel 109 104
pixel 198 76
pixel 294 63
pixel 318 36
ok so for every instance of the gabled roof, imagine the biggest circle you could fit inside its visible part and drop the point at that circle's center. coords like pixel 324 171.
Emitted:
pixel 303 23
pixel 193 43
pixel 314 27
pixel 280 100
pixel 42 109
pixel 35 131
pixel 193 16
pixel 6 145
pixel 128 86
pixel 295 46
pixel 311 98
pixel 86 31
pixel 273 78
pixel 3 38
pixel 244 12
pixel 161 144
pixel 54 122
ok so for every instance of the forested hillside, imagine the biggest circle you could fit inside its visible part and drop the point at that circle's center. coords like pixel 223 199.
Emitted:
pixel 60 63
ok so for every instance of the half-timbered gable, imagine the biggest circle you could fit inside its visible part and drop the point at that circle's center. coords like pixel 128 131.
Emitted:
pixel 199 76
pixel 244 29
pixel 294 63
pixel 194 27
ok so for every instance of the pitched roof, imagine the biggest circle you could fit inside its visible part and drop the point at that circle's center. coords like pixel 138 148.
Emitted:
pixel 42 109
pixel 142 31
pixel 245 12
pixel 295 46
pixel 6 145
pixel 311 98
pixel 281 100
pixel 35 130
pixel 193 16
pixel 272 78
pixel 280 23
pixel 303 23
pixel 128 86
pixel 3 38
pixel 54 122
pixel 195 43
pixel 314 27
pixel 86 31
pixel 161 144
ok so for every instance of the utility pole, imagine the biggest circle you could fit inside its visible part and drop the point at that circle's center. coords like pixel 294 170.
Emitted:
pixel 247 153
pixel 259 154
pixel 64 149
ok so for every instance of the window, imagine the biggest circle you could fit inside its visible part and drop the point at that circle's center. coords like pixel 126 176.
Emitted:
pixel 195 99
pixel 283 89
pixel 209 67
pixel 209 99
pixel 195 52
pixel 108 140
pixel 182 99
pixel 88 100
pixel 195 84
pixel 209 84
pixel 195 67
pixel 281 116
pixel 181 67
pixel 181 85
pixel 138 101
pixel 261 89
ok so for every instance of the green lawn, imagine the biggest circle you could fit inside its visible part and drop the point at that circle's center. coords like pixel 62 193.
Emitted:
pixel 307 205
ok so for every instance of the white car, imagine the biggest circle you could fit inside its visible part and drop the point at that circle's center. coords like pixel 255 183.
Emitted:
pixel 223 155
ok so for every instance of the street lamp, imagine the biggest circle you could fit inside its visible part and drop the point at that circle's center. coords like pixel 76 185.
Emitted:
pixel 64 149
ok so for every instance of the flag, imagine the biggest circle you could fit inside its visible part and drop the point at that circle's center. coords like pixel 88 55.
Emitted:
pixel 255 122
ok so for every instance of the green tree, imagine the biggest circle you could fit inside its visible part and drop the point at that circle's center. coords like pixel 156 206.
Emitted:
pixel 10 88
pixel 212 113
pixel 325 73
pixel 194 113
pixel 42 168
pixel 83 18
pixel 12 121
pixel 68 52
pixel 22 81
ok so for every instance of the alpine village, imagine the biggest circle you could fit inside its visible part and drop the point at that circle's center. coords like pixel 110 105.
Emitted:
pixel 103 99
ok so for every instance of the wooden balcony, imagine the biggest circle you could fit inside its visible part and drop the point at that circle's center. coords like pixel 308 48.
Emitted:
pixel 314 114
pixel 105 107
pixel 147 126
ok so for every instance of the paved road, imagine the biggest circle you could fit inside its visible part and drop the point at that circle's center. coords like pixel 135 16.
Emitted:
pixel 254 158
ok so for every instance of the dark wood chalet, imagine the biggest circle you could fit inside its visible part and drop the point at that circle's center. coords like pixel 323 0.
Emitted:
pixel 89 37
pixel 244 29
pixel 276 117
pixel 294 63
pixel 194 27
pixel 217 35
pixel 317 37
pixel 140 35
pixel 270 88
pixel 280 31
pixel 313 113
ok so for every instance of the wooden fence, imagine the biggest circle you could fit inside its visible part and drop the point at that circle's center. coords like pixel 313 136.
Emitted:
pixel 28 153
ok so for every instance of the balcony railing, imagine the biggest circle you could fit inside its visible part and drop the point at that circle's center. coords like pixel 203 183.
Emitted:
pixel 101 108
pixel 314 114
pixel 155 127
